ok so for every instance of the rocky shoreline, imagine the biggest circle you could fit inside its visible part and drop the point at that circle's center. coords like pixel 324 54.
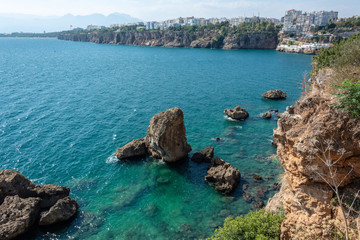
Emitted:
pixel 171 38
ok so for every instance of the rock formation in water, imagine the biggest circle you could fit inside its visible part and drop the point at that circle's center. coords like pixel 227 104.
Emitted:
pixel 237 113
pixel 274 94
pixel 166 136
pixel 204 156
pixel 173 38
pixel 134 149
pixel 224 176
pixel 165 139
pixel 309 134
pixel 22 201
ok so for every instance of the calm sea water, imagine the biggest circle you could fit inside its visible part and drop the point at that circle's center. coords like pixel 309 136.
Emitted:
pixel 66 106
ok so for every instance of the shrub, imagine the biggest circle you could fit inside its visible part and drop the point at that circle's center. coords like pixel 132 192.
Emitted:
pixel 258 225
pixel 349 97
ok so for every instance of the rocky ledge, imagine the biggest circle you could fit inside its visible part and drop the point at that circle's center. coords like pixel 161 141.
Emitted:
pixel 237 113
pixel 24 204
pixel 165 139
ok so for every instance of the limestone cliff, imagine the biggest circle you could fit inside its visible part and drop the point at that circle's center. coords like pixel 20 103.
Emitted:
pixel 310 134
pixel 171 38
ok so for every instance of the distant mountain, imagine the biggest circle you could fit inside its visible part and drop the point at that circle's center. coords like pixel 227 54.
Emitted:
pixel 37 24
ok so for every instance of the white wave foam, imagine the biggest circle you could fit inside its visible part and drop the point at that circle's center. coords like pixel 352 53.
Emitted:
pixel 231 119
pixel 111 159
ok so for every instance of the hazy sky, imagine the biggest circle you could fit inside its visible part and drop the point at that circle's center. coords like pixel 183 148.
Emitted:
pixel 165 9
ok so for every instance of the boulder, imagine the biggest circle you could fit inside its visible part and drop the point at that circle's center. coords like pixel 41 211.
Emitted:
pixel 166 136
pixel 224 176
pixel 204 156
pixel 17 215
pixel 237 113
pixel 266 115
pixel 258 205
pixel 274 94
pixel 14 183
pixel 21 202
pixel 134 149
pixel 63 210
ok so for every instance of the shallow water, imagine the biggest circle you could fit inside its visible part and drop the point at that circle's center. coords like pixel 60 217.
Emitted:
pixel 66 106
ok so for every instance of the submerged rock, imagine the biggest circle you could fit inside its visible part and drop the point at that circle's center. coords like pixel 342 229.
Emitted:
pixel 247 197
pixel 224 176
pixel 166 136
pixel 257 177
pixel 274 94
pixel 63 210
pixel 237 113
pixel 135 148
pixel 21 202
pixel 204 156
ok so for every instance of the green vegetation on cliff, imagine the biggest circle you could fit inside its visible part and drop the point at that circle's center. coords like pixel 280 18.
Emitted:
pixel 258 225
pixel 344 60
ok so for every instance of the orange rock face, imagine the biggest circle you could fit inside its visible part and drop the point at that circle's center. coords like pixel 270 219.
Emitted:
pixel 319 148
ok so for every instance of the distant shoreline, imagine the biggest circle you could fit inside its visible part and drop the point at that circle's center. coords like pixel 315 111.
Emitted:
pixel 33 37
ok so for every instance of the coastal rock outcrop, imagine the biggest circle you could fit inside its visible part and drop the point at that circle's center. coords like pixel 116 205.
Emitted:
pixel 166 136
pixel 135 148
pixel 310 134
pixel 224 176
pixel 21 202
pixel 274 94
pixel 204 156
pixel 237 113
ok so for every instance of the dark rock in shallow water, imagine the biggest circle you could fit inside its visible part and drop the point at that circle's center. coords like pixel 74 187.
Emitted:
pixel 133 149
pixel 245 186
pixel 17 215
pixel 260 192
pixel 258 205
pixel 247 197
pixel 237 113
pixel 204 156
pixel 224 176
pixel 166 136
pixel 21 202
pixel 266 115
pixel 257 177
pixel 63 210
pixel 275 94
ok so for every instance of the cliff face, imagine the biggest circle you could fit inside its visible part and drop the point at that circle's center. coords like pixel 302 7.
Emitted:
pixel 310 134
pixel 179 39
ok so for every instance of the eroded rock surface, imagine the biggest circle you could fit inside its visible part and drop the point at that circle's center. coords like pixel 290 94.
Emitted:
pixel 237 113
pixel 275 94
pixel 308 133
pixel 224 176
pixel 17 215
pixel 135 148
pixel 166 136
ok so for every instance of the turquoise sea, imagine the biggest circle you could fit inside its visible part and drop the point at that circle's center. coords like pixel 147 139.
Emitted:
pixel 66 106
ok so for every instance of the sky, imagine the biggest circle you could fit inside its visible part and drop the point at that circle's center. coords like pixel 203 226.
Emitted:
pixel 166 9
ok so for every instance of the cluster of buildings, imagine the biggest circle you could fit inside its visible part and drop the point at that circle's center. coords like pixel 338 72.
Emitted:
pixel 298 22
pixel 293 22
pixel 192 21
